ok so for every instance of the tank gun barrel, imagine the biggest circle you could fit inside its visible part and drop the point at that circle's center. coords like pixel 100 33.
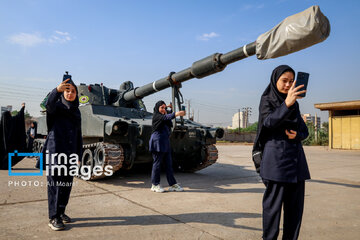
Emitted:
pixel 293 34
pixel 202 68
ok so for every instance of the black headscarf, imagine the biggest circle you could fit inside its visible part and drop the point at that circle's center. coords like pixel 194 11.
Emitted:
pixel 270 100
pixel 69 109
pixel 74 104
pixel 157 120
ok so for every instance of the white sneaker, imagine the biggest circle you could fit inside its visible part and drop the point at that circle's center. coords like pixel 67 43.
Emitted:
pixel 157 188
pixel 176 188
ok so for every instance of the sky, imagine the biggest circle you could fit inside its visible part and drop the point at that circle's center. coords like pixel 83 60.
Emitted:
pixel 111 42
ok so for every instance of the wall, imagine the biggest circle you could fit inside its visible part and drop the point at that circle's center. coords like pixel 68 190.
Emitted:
pixel 345 132
pixel 236 137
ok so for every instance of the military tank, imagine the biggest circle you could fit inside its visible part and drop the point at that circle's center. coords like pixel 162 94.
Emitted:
pixel 116 126
pixel 117 131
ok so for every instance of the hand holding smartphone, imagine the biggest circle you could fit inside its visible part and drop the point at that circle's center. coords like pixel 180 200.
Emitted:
pixel 302 79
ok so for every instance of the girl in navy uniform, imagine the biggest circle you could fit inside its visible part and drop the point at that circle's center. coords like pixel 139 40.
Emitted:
pixel 31 134
pixel 159 146
pixel 64 136
pixel 283 166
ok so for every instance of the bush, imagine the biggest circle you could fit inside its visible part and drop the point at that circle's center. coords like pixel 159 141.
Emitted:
pixel 323 135
pixel 251 128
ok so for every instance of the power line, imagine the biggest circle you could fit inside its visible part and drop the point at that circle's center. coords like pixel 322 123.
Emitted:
pixel 212 109
pixel 27 89
pixel 215 105
pixel 19 94
pixel 22 86
pixel 20 98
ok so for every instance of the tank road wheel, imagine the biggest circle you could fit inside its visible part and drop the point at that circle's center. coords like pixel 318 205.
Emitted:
pixel 87 160
pixel 114 155
pixel 208 155
pixel 211 154
pixel 41 147
pixel 35 147
pixel 38 146
pixel 99 155
pixel 108 154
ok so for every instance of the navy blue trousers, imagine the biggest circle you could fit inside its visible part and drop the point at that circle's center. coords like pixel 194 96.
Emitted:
pixel 156 168
pixel 290 196
pixel 59 188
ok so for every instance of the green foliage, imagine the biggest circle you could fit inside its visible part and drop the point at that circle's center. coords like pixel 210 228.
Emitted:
pixel 325 126
pixel 322 139
pixel 322 133
pixel 251 128
pixel 14 113
pixel 26 115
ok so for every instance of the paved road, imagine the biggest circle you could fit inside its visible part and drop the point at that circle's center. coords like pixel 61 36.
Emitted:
pixel 220 202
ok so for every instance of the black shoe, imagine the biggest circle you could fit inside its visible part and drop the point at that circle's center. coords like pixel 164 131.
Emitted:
pixel 56 224
pixel 65 218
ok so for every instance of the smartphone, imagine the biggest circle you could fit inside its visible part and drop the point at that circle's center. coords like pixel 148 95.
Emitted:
pixel 302 79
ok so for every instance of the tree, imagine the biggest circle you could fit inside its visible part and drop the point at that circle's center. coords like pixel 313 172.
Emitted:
pixel 323 135
pixel 14 113
pixel 26 115
pixel 325 126
pixel 252 128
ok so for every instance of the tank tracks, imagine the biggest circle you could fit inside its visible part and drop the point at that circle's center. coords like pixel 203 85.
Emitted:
pixel 96 154
pixel 209 155
pixel 105 154
pixel 102 154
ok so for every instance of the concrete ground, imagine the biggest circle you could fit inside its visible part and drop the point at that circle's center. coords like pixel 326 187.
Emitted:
pixel 220 202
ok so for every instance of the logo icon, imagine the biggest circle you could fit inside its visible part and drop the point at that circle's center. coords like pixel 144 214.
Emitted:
pixel 15 153
pixel 83 99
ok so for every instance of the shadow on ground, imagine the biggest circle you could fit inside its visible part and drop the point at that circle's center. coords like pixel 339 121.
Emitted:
pixel 221 218
pixel 218 178
pixel 335 183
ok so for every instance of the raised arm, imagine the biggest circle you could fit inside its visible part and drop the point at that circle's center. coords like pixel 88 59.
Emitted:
pixel 168 116
pixel 55 95
pixel 50 104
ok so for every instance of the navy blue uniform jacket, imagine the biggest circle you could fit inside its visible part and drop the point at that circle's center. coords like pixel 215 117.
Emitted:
pixel 159 140
pixel 284 159
pixel 65 135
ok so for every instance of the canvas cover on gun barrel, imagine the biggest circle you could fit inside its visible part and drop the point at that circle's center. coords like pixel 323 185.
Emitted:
pixel 294 33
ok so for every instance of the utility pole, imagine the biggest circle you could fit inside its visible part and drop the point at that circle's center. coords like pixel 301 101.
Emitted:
pixel 239 119
pixel 188 109
pixel 246 114
pixel 316 128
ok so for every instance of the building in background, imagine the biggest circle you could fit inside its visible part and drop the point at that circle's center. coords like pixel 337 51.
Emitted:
pixel 241 119
pixel 344 123
pixel 313 119
pixel 7 108
pixel 238 119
